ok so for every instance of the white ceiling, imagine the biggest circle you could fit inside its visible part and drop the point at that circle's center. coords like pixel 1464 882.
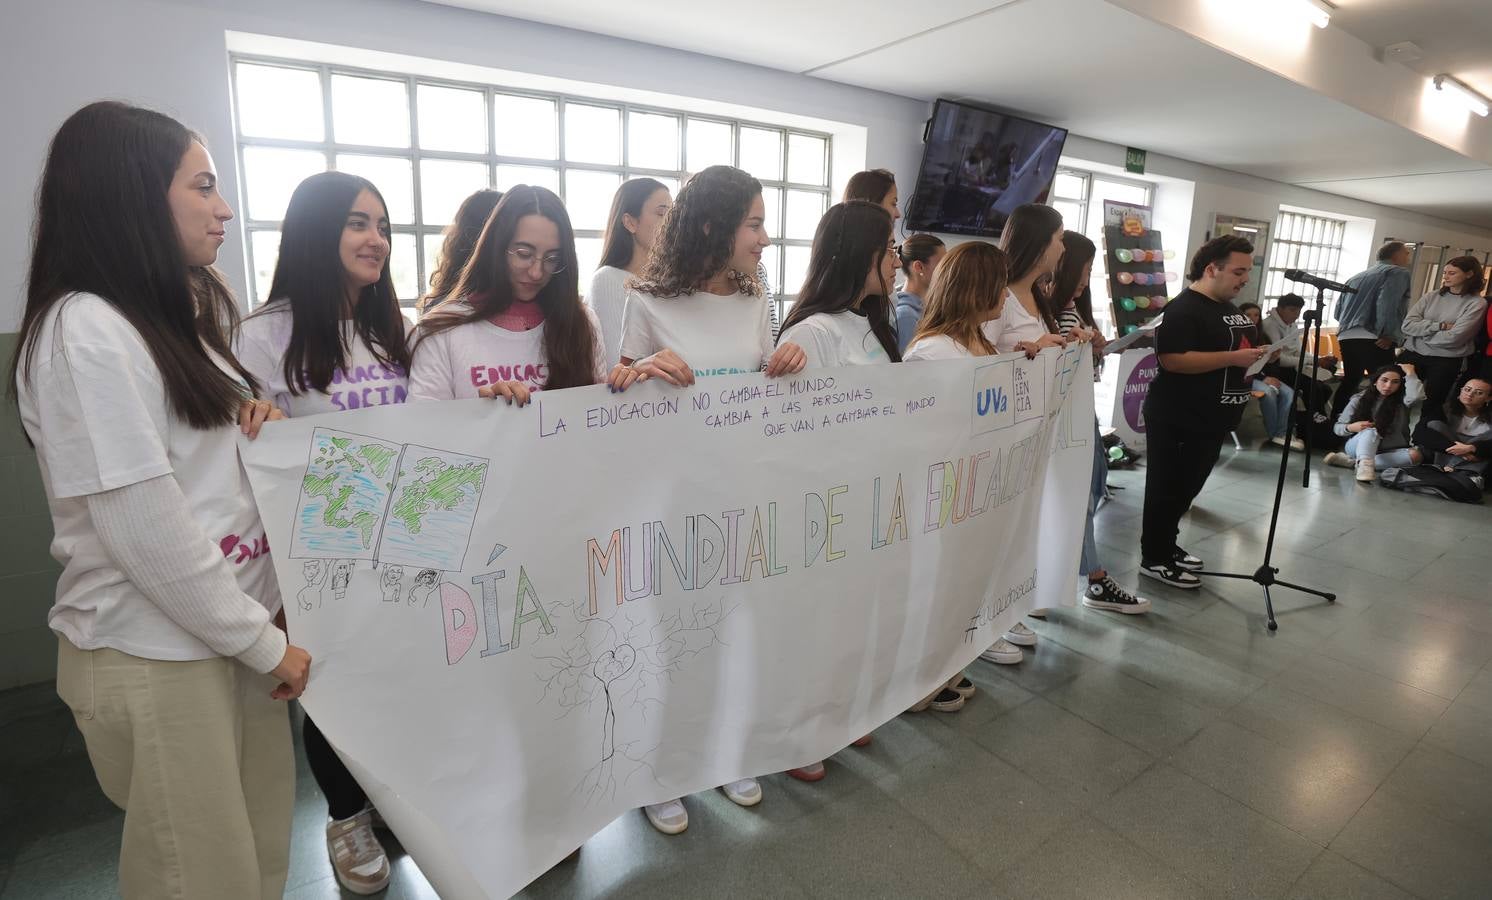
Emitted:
pixel 1455 35
pixel 1102 72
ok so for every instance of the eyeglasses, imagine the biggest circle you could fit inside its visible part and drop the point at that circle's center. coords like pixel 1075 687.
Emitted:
pixel 524 257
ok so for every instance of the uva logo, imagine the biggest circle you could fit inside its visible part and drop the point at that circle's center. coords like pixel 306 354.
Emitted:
pixel 991 400
pixel 241 550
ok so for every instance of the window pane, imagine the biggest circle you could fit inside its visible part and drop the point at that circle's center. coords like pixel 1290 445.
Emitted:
pixel 709 144
pixel 588 197
pixel 433 243
pixel 1068 185
pixel 772 259
pixel 271 176
pixel 772 202
pixel 508 176
pixel 805 159
pixel 444 183
pixel 370 111
pixel 652 141
pixel 593 134
pixel 588 252
pixel 804 209
pixel 265 246
pixel 393 176
pixel 795 266
pixel 1120 192
pixel 280 103
pixel 403 267
pixel 761 153
pixel 452 119
pixel 526 126
pixel 1072 213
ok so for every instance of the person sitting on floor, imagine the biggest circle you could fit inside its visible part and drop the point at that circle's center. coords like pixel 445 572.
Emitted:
pixel 1276 326
pixel 1276 397
pixel 1464 439
pixel 1376 425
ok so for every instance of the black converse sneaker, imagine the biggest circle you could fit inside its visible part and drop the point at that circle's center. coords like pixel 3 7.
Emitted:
pixel 1184 560
pixel 1107 594
pixel 1171 574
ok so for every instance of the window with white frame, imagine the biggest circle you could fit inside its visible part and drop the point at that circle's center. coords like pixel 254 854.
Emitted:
pixel 428 143
pixel 1079 195
pixel 1302 241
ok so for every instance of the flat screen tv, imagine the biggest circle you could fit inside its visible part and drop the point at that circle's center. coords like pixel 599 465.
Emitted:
pixel 977 166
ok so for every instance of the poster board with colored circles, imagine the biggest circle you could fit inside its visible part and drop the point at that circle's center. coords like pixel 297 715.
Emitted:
pixel 1139 284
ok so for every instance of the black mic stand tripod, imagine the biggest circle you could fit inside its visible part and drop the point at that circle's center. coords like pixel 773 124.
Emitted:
pixel 1264 576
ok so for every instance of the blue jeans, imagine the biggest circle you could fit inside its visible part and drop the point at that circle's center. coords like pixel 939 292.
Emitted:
pixel 1276 405
pixel 1365 443
pixel 1090 563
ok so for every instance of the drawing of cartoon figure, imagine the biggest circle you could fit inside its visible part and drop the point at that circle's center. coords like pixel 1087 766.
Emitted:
pixel 425 584
pixel 314 571
pixel 341 575
pixel 393 578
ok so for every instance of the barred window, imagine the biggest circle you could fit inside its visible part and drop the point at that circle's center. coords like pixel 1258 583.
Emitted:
pixel 1302 241
pixel 427 144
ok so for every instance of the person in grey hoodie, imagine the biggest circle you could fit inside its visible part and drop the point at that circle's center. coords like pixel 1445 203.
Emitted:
pixel 1441 328
pixel 1368 320
pixel 920 255
pixel 1376 425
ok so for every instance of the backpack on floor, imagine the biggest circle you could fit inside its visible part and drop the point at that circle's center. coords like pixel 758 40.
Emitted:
pixel 1447 484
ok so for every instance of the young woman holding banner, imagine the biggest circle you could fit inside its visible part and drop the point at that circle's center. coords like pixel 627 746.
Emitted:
pixel 168 653
pixel 331 337
pixel 514 323
pixel 968 294
pixel 841 317
pixel 1069 302
pixel 698 300
pixel 636 212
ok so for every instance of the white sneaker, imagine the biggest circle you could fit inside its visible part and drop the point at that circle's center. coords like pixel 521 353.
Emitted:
pixel 1297 444
pixel 1003 653
pixel 358 859
pixel 1021 635
pixel 1338 458
pixel 669 817
pixel 1039 612
pixel 746 792
pixel 1366 470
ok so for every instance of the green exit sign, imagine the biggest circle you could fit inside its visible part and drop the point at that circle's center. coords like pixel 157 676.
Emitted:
pixel 1134 160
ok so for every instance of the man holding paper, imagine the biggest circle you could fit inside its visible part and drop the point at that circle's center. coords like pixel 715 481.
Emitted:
pixel 1204 346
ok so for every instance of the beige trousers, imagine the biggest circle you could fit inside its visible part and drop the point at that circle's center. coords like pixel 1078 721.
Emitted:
pixel 199 758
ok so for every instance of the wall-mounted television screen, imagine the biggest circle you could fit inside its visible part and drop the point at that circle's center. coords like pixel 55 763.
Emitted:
pixel 977 166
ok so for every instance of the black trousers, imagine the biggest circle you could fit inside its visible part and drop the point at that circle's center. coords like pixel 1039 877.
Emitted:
pixel 1313 393
pixel 1177 463
pixel 1439 375
pixel 344 796
pixel 1360 358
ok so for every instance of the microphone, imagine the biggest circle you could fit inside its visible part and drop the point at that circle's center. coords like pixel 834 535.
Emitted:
pixel 1320 283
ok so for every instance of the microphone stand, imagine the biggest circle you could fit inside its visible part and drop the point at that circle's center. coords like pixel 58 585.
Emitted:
pixel 1264 576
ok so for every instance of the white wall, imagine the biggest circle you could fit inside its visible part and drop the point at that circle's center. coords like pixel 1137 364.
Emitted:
pixel 58 55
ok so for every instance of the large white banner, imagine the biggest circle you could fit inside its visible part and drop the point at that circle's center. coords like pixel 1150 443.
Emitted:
pixel 526 622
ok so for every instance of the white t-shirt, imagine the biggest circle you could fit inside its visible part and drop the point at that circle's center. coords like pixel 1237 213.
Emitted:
pixel 716 334
pixel 1013 326
pixel 836 339
pixel 96 408
pixel 608 298
pixel 260 346
pixel 935 346
pixel 455 363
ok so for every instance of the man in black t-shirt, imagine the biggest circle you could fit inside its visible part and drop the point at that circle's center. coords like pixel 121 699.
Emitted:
pixel 1204 345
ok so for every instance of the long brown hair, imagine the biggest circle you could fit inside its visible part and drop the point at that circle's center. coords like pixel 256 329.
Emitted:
pixel 104 226
pixel 872 185
pixel 460 240
pixel 1474 277
pixel 697 237
pixel 617 242
pixel 486 287
pixel 1077 252
pixel 849 244
pixel 1027 234
pixel 970 283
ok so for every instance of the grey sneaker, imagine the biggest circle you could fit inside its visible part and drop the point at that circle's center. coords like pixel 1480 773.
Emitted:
pixel 358 859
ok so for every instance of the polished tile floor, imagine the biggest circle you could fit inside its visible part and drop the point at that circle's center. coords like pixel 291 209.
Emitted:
pixel 1188 753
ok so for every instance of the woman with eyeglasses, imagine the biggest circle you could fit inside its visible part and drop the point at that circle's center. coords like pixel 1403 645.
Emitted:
pixel 515 322
pixel 1463 439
